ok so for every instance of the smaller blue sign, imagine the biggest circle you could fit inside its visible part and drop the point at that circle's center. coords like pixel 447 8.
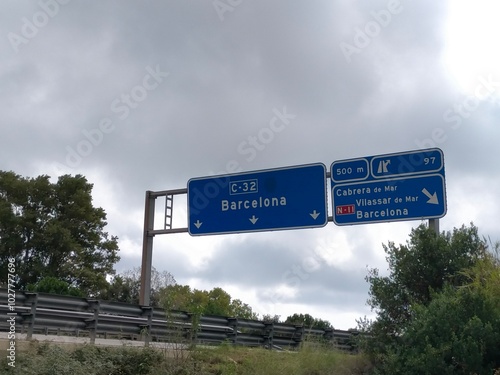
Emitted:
pixel 350 170
pixel 392 187
pixel 285 198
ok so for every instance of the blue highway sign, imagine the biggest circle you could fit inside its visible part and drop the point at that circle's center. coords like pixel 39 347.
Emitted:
pixel 274 199
pixel 392 187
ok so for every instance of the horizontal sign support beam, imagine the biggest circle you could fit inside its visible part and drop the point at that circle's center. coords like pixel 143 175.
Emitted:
pixel 163 193
pixel 167 231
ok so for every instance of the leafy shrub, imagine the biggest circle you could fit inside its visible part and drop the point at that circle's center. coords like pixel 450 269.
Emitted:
pixel 47 359
pixel 454 326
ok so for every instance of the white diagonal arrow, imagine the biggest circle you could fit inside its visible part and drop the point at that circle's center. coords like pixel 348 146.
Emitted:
pixel 314 214
pixel 433 199
pixel 253 219
pixel 198 224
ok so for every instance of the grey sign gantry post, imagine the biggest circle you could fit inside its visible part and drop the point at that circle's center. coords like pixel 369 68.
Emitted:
pixel 150 232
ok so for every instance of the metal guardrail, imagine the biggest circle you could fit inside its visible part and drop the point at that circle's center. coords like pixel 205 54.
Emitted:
pixel 65 315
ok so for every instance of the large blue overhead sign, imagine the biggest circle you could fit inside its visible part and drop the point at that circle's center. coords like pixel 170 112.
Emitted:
pixel 285 198
pixel 392 187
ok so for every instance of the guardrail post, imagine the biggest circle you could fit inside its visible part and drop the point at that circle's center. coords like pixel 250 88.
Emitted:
pixel 268 334
pixel 233 324
pixel 194 319
pixel 92 323
pixel 31 299
pixel 328 336
pixel 354 341
pixel 298 336
pixel 146 328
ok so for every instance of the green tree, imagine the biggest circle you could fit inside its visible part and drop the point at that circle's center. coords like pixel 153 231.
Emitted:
pixel 121 289
pixel 417 301
pixel 53 230
pixel 458 332
pixel 241 310
pixel 268 318
pixel 218 303
pixel 308 321
pixel 126 287
pixel 176 297
pixel 53 285
pixel 201 302
pixel 418 269
pixel 198 302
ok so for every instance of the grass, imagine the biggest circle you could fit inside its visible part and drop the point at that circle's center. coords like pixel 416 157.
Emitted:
pixel 228 360
pixel 51 359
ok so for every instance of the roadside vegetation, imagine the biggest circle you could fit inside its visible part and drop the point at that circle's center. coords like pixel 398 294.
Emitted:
pixel 438 309
pixel 44 359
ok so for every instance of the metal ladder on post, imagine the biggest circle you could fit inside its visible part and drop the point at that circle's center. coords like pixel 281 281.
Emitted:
pixel 169 204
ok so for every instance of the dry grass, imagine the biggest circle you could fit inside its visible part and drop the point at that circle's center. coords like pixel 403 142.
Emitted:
pixel 48 359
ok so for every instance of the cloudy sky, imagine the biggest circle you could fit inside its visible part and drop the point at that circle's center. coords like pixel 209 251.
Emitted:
pixel 145 95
